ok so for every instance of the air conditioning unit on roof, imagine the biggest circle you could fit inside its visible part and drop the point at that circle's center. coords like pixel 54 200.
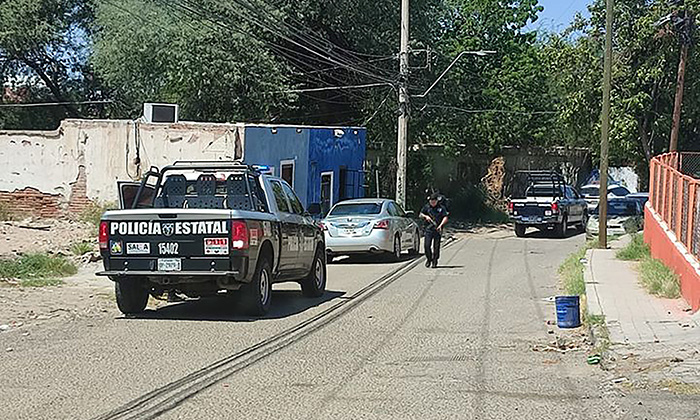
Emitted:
pixel 160 113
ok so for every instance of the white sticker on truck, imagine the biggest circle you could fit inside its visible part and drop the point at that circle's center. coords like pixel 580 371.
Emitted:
pixel 138 248
pixel 216 246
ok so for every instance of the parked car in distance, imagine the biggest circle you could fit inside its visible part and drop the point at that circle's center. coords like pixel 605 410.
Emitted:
pixel 548 203
pixel 591 193
pixel 370 225
pixel 642 197
pixel 625 215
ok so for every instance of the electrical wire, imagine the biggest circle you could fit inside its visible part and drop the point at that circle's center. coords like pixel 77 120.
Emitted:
pixel 39 104
pixel 483 111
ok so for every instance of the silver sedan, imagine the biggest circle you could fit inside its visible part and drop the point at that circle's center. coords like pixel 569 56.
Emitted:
pixel 370 225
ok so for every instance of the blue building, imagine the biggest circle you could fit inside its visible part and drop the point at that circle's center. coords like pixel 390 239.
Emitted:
pixel 323 164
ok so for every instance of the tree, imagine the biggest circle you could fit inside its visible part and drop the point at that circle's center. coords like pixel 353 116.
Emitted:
pixel 43 58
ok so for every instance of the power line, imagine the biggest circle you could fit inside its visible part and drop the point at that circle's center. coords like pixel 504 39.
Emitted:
pixel 325 88
pixel 484 111
pixel 38 104
pixel 317 51
pixel 376 111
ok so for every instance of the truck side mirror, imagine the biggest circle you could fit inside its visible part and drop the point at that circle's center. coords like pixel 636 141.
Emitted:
pixel 315 209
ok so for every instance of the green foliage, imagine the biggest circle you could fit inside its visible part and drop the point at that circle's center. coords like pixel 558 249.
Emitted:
pixel 571 272
pixel 81 248
pixel 93 213
pixel 37 269
pixel 5 213
pixel 636 250
pixel 658 279
pixel 44 48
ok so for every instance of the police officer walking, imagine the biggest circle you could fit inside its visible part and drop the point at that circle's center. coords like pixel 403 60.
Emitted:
pixel 435 216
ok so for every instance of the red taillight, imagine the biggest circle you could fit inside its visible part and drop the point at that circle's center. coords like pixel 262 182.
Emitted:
pixel 555 207
pixel 239 235
pixel 382 224
pixel 510 206
pixel 103 235
pixel 323 226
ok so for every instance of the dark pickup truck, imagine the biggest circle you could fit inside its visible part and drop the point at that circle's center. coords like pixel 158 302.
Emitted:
pixel 210 228
pixel 547 203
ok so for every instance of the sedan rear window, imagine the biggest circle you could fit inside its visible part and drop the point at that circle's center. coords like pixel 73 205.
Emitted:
pixel 355 209
pixel 621 208
pixel 590 191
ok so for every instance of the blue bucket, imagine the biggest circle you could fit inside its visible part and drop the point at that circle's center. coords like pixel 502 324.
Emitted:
pixel 568 313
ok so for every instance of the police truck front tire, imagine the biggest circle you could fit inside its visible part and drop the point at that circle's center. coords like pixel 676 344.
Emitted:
pixel 257 295
pixel 132 297
pixel 314 284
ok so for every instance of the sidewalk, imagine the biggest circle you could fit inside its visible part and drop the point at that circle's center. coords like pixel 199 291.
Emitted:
pixel 631 314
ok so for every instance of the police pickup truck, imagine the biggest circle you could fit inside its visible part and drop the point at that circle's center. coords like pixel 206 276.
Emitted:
pixel 210 228
pixel 546 202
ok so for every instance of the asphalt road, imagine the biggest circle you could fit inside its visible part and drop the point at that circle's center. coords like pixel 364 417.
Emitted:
pixel 453 342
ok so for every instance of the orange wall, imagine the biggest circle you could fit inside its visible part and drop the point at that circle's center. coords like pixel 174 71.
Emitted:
pixel 664 249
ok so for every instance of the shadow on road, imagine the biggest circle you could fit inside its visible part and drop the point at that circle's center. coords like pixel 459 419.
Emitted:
pixel 285 303
pixel 549 234
pixel 370 259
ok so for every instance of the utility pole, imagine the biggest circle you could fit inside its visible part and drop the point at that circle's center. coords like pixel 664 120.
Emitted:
pixel 686 23
pixel 402 144
pixel 605 130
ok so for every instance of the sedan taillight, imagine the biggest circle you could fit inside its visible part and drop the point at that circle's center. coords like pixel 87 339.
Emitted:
pixel 382 224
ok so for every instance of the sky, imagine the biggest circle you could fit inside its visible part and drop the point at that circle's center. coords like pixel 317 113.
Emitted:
pixel 558 14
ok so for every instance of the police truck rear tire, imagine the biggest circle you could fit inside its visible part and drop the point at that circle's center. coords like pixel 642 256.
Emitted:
pixel 314 284
pixel 132 296
pixel 520 230
pixel 257 295
pixel 561 228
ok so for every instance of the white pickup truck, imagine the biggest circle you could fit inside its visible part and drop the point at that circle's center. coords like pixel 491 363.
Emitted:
pixel 547 203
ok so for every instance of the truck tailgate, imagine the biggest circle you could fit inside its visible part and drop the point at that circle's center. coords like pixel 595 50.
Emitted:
pixel 169 240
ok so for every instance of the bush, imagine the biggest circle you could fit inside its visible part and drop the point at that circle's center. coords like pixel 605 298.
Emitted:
pixel 571 271
pixel 93 213
pixel 636 250
pixel 5 213
pixel 470 203
pixel 36 269
pixel 81 248
pixel 658 279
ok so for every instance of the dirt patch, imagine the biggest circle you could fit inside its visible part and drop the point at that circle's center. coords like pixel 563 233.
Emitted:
pixel 81 296
pixel 45 235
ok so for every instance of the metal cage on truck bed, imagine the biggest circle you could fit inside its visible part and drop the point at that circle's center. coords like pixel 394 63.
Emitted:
pixel 524 181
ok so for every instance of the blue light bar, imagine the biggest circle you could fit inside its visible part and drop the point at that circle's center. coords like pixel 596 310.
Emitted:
pixel 263 169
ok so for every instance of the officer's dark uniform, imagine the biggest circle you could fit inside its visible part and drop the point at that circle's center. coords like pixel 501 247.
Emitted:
pixel 432 236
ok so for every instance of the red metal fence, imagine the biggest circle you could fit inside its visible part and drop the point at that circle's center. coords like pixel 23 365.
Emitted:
pixel 674 193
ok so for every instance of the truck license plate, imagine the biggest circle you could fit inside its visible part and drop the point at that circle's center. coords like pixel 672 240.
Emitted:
pixel 169 264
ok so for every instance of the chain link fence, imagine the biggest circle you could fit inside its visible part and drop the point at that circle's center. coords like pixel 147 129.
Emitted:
pixel 690 164
pixel 675 196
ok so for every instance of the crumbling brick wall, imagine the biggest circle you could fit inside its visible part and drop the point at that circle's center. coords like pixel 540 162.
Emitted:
pixel 31 202
pixel 78 200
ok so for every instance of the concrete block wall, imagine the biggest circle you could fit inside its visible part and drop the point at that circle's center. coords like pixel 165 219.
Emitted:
pixel 59 173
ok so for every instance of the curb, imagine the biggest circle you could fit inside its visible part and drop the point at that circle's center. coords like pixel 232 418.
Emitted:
pixel 592 298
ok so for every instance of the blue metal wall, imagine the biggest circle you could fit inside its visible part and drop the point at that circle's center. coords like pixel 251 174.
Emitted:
pixel 314 150
pixel 263 147
pixel 328 152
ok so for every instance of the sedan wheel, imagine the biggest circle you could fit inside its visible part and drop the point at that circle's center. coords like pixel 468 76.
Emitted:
pixel 396 256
